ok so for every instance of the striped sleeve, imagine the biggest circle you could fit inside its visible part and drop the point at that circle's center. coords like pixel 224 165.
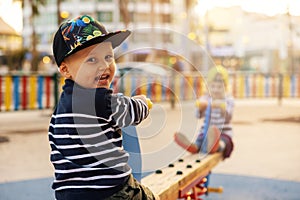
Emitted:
pixel 127 111
pixel 229 109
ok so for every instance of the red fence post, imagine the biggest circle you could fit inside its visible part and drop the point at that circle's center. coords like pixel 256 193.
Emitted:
pixel 0 92
pixel 254 85
pixel 47 91
pixel 24 92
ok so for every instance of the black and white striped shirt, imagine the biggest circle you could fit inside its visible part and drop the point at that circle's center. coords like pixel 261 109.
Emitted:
pixel 85 138
pixel 217 118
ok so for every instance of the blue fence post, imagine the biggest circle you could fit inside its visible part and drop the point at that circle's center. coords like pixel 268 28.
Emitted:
pixel 182 88
pixel 133 85
pixel 267 86
pixel 293 85
pixel 163 88
pixel 40 91
pixel 16 82
pixel 149 87
pixel 55 88
pixel 247 85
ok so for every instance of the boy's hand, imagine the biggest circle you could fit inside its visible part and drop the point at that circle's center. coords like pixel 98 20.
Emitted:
pixel 219 104
pixel 202 105
pixel 149 103
pixel 145 99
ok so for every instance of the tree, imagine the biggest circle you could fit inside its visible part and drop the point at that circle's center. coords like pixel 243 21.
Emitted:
pixel 123 7
pixel 34 5
pixel 16 59
pixel 59 20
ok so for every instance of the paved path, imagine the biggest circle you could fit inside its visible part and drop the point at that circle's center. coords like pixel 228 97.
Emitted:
pixel 264 165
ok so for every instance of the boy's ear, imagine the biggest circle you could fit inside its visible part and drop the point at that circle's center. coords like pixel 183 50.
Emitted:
pixel 64 70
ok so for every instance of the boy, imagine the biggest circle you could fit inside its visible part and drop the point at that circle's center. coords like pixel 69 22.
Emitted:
pixel 219 132
pixel 85 128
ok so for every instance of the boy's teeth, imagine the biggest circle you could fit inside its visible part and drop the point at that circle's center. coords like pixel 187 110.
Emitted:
pixel 102 77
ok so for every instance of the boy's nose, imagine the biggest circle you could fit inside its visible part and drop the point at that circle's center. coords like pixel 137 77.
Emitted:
pixel 104 66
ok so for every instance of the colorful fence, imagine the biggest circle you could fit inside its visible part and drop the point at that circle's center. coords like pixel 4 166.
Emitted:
pixel 191 87
pixel 262 86
pixel 161 88
pixel 27 92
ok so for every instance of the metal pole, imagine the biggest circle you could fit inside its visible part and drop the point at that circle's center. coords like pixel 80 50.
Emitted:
pixel 291 53
pixel 58 12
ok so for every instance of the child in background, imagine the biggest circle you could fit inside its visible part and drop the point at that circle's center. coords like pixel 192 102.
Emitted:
pixel 219 133
pixel 85 128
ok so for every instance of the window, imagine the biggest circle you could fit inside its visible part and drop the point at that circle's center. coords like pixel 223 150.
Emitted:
pixel 164 1
pixel 105 16
pixel 44 19
pixel 165 18
pixel 141 17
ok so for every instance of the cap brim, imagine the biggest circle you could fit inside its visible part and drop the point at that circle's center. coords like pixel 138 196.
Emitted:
pixel 116 38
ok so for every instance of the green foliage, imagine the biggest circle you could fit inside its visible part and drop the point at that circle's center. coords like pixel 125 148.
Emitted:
pixel 35 4
pixel 15 59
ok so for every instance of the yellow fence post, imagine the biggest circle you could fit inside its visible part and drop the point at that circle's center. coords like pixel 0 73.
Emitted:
pixel 127 85
pixel 61 83
pixel 32 92
pixel 158 89
pixel 260 85
pixel 8 93
pixel 286 85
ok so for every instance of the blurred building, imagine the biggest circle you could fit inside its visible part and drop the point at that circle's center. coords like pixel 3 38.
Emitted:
pixel 239 40
pixel 252 41
pixel 10 41
pixel 140 16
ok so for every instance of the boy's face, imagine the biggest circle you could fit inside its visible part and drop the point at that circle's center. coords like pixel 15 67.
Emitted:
pixel 92 67
pixel 217 89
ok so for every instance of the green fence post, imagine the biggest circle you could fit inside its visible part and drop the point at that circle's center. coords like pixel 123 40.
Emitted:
pixel 55 79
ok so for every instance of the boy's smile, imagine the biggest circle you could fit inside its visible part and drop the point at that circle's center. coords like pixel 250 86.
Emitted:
pixel 102 80
pixel 92 67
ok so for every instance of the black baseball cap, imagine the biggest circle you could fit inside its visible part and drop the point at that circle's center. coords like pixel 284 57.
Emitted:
pixel 81 32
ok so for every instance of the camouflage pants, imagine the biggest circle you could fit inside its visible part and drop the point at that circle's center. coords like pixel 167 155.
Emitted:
pixel 133 190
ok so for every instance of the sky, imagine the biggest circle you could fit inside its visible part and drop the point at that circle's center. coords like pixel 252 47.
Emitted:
pixel 11 12
pixel 268 7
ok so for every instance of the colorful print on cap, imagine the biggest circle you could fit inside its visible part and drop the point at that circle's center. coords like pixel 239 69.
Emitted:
pixel 79 30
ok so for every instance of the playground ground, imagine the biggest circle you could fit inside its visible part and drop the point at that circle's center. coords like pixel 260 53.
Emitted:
pixel 264 165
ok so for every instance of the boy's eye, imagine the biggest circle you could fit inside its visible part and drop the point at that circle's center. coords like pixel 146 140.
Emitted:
pixel 92 60
pixel 108 58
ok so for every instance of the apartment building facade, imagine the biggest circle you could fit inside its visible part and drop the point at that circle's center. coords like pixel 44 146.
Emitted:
pixel 229 34
pixel 153 22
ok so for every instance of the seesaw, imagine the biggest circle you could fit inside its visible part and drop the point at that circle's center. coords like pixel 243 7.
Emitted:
pixel 184 178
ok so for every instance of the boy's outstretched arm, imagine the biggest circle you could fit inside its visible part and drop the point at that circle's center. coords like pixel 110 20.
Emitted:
pixel 128 111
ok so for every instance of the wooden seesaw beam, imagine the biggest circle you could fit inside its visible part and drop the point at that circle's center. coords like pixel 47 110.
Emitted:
pixel 178 178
